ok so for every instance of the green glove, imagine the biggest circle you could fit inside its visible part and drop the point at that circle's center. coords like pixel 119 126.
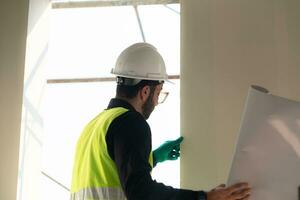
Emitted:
pixel 170 150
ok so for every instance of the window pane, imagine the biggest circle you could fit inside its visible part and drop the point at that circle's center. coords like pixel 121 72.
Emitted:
pixel 162 29
pixel 85 42
pixel 51 190
pixel 69 107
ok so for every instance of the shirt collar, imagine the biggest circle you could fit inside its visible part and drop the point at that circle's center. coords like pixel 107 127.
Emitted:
pixel 120 103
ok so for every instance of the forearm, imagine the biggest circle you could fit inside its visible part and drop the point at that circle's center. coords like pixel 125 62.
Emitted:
pixel 137 183
pixel 143 187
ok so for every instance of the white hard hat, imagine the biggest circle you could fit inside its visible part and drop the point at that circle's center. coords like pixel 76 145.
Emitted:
pixel 141 61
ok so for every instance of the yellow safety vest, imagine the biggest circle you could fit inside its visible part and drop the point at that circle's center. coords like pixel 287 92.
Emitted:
pixel 95 174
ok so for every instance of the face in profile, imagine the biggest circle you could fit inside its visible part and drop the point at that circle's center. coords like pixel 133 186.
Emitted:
pixel 151 101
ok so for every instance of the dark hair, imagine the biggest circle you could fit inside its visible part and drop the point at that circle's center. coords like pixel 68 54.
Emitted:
pixel 130 91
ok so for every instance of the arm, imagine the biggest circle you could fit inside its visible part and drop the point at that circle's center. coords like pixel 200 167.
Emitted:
pixel 129 144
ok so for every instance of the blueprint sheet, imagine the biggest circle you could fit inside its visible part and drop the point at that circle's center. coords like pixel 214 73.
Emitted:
pixel 267 153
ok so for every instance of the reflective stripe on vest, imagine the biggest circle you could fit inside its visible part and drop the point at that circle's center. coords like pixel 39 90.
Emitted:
pixel 99 193
pixel 95 174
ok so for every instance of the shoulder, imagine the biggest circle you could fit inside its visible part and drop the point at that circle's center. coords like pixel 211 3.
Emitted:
pixel 129 125
pixel 128 131
pixel 131 120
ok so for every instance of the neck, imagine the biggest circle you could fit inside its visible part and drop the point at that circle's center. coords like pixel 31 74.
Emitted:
pixel 135 104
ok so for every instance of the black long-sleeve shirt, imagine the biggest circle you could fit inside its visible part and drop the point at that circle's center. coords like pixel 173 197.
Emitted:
pixel 129 145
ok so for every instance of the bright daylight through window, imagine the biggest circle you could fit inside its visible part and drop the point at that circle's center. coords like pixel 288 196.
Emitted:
pixel 84 44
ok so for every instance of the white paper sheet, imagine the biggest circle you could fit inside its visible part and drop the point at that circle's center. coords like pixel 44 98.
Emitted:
pixel 267 153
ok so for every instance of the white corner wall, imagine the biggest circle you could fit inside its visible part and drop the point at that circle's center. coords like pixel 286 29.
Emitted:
pixel 225 47
pixel 23 34
pixel 32 126
pixel 13 28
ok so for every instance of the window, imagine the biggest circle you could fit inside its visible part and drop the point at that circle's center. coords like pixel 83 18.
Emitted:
pixel 84 44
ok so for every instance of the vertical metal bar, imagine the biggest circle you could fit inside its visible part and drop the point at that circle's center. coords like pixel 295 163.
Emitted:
pixel 140 23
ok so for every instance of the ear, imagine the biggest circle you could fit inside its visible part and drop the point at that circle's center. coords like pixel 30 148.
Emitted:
pixel 144 93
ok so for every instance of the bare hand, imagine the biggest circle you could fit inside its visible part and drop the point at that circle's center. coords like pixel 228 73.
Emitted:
pixel 238 191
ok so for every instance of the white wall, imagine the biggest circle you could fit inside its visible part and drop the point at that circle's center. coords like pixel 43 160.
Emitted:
pixel 225 47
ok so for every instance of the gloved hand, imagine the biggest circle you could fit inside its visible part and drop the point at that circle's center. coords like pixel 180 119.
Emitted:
pixel 170 150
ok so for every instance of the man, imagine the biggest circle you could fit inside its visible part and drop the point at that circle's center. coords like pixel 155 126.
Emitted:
pixel 114 155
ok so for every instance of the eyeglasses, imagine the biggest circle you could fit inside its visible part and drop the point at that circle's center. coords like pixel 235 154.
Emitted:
pixel 162 96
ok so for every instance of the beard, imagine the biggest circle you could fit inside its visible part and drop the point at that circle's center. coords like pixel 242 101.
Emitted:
pixel 148 106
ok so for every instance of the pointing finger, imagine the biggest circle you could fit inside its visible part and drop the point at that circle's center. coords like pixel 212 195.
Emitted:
pixel 179 140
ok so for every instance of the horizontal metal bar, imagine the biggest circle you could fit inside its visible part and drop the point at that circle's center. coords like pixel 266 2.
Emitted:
pixel 105 3
pixel 88 80
pixel 82 80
